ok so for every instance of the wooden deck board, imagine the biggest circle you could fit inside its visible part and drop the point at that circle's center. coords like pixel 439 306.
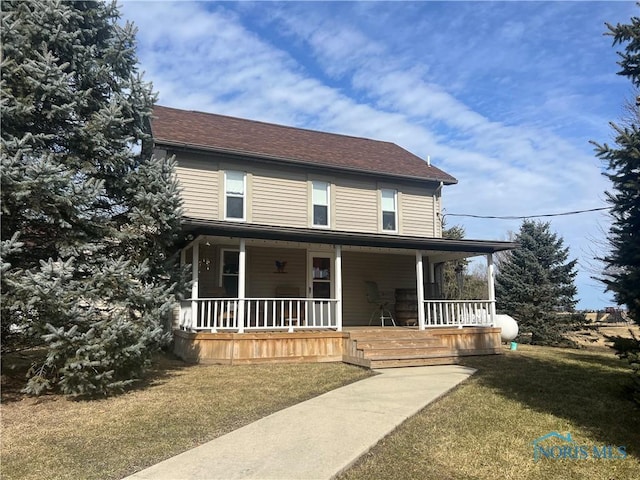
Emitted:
pixel 375 347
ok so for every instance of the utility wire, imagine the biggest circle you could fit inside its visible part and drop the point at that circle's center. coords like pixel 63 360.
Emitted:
pixel 521 217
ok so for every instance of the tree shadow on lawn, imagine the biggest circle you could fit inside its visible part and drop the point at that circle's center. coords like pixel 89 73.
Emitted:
pixel 587 389
pixel 14 375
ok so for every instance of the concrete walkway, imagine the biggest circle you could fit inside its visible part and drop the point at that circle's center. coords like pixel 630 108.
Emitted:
pixel 316 439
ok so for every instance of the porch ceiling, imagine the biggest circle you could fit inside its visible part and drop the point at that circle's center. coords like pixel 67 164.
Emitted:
pixel 445 248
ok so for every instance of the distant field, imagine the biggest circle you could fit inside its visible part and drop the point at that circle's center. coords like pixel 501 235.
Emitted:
pixel 596 336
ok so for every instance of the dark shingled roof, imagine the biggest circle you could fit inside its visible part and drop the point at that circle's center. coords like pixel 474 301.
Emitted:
pixel 206 131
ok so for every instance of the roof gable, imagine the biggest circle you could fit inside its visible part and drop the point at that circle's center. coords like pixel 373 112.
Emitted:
pixel 198 130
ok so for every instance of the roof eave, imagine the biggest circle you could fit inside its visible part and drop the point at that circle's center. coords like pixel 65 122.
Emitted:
pixel 268 232
pixel 288 161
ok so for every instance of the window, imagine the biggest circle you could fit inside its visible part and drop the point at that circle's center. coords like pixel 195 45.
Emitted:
pixel 234 188
pixel 320 202
pixel 389 210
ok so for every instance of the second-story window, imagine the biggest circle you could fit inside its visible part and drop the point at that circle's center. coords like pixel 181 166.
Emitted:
pixel 320 201
pixel 234 191
pixel 389 209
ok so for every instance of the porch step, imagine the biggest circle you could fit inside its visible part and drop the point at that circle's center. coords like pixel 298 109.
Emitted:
pixel 389 334
pixel 414 362
pixel 407 353
pixel 401 347
pixel 398 343
pixel 388 347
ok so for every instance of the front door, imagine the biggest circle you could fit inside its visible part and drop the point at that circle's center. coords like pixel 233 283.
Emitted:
pixel 320 285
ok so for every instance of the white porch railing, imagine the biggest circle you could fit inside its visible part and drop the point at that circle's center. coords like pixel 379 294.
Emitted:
pixel 223 314
pixel 458 313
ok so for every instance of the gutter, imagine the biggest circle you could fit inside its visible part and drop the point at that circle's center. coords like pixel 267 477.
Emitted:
pixel 194 227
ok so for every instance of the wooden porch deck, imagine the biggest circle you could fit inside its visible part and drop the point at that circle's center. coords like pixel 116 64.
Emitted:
pixel 403 347
pixel 371 347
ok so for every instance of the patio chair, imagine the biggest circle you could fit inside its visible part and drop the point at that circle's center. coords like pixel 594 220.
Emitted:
pixel 382 305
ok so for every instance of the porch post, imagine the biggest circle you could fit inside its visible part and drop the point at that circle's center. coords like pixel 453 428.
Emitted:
pixel 242 260
pixel 195 260
pixel 338 287
pixel 420 289
pixel 492 290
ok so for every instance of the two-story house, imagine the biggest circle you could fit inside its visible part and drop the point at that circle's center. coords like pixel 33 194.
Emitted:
pixel 309 246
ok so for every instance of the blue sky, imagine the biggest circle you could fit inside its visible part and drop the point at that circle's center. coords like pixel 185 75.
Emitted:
pixel 505 96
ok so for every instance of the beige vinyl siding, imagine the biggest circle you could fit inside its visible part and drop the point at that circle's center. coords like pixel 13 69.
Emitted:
pixel 262 276
pixel 279 197
pixel 417 212
pixel 282 196
pixel 199 184
pixel 356 206
pixel 388 270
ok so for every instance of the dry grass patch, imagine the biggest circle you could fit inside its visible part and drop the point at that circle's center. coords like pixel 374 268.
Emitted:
pixel 180 407
pixel 484 429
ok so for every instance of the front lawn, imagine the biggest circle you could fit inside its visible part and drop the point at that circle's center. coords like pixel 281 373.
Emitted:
pixel 182 406
pixel 481 430
pixel 485 428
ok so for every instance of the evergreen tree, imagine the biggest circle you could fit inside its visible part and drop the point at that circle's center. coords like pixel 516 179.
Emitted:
pixel 535 282
pixel 89 217
pixel 622 263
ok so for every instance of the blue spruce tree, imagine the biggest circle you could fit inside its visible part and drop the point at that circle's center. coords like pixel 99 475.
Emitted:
pixel 622 262
pixel 90 218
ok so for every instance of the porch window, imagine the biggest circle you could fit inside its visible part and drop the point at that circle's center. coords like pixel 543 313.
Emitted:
pixel 320 201
pixel 234 188
pixel 389 209
pixel 230 272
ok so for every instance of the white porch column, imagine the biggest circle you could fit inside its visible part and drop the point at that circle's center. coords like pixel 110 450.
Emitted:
pixel 242 260
pixel 195 260
pixel 183 259
pixel 492 289
pixel 420 289
pixel 432 272
pixel 338 286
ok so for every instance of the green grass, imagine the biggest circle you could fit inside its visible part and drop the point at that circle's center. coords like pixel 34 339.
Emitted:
pixel 484 428
pixel 179 407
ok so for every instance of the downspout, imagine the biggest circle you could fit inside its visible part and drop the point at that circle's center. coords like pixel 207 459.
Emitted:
pixel 338 286
pixel 436 192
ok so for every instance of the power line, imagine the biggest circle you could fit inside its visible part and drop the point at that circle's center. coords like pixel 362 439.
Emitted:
pixel 522 217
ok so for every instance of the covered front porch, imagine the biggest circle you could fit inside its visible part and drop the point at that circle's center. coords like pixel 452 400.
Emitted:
pixel 273 294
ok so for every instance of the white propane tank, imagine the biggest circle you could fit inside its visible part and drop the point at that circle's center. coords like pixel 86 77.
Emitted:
pixel 508 326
